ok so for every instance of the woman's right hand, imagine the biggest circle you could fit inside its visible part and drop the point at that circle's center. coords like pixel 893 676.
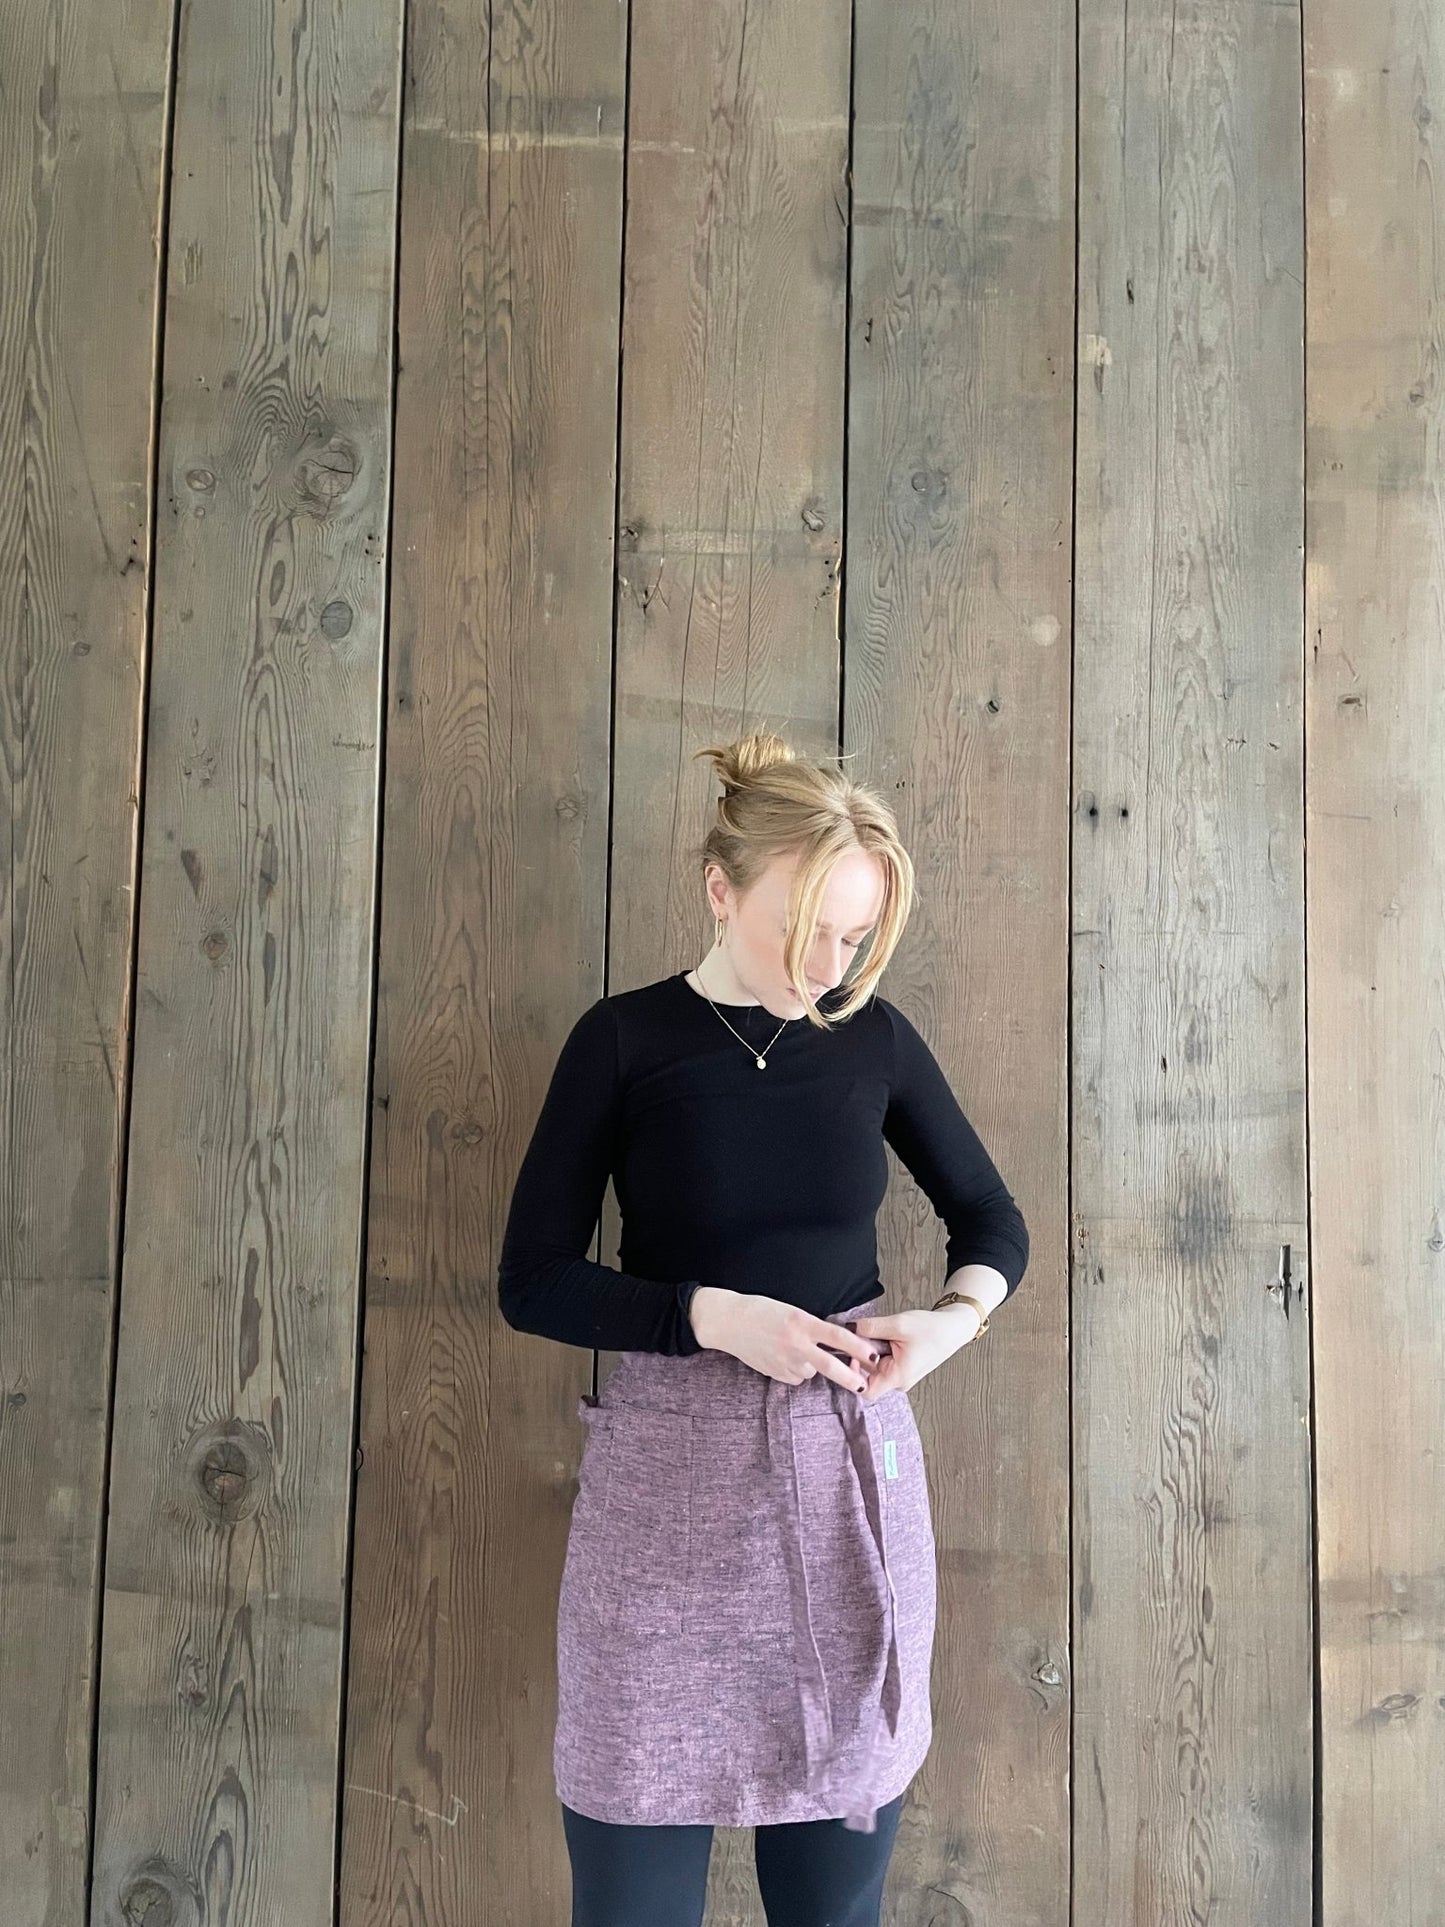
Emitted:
pixel 778 1339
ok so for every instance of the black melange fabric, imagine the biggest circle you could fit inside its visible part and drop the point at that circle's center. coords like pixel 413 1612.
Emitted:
pixel 760 1180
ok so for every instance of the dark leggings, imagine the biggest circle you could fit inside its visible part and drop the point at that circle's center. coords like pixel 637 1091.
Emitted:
pixel 811 1873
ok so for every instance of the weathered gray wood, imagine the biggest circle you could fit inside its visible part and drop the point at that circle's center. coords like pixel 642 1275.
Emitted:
pixel 731 499
pixel 957 622
pixel 232 1453
pixel 1375 814
pixel 492 943
pixel 730 520
pixel 1193 1662
pixel 1173 1410
pixel 82 130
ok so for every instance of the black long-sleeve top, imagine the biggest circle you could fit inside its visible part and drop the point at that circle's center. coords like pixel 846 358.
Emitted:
pixel 760 1180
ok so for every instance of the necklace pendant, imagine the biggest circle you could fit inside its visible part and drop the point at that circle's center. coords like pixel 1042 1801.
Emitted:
pixel 762 1063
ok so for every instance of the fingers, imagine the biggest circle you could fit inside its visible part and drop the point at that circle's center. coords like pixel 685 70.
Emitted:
pixel 860 1355
pixel 842 1372
pixel 855 1345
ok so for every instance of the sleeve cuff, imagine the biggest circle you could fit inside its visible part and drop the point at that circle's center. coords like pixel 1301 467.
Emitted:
pixel 687 1339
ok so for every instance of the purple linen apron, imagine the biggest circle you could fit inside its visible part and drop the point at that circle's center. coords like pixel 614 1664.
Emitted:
pixel 746 1617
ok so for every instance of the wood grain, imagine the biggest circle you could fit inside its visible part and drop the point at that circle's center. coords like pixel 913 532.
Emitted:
pixel 225 1579
pixel 82 172
pixel 731 436
pixel 492 942
pixel 727 367
pixel 957 636
pixel 1192 1535
pixel 730 521
pixel 1375 814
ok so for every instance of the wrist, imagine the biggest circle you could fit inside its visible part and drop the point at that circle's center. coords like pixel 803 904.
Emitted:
pixel 963 1319
pixel 704 1309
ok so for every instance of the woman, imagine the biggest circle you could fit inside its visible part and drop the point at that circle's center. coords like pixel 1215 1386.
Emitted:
pixel 746 1618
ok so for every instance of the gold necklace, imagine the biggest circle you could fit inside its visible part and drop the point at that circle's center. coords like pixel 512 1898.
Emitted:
pixel 759 1058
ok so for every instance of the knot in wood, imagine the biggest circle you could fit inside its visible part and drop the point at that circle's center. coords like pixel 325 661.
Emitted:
pixel 231 1468
pixel 155 1896
pixel 336 620
pixel 224 1472
pixel 326 471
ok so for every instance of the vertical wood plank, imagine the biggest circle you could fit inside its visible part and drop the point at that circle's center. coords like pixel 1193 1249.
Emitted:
pixel 1193 1665
pixel 731 498
pixel 730 517
pixel 1375 810
pixel 82 139
pixel 957 620
pixel 492 942
pixel 232 1454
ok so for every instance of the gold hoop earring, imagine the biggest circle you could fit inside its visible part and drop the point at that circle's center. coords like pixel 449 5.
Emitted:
pixel 719 922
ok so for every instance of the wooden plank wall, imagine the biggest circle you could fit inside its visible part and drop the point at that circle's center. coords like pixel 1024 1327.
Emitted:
pixel 83 137
pixel 223 1609
pixel 960 403
pixel 1375 832
pixel 421 432
pixel 493 935
pixel 730 505
pixel 1192 1744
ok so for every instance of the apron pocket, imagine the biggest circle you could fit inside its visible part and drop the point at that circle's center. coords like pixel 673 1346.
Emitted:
pixel 641 1564
pixel 584 1531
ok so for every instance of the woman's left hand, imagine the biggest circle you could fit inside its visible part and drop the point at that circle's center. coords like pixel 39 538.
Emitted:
pixel 919 1341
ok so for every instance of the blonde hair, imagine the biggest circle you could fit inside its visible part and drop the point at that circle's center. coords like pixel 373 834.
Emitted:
pixel 776 803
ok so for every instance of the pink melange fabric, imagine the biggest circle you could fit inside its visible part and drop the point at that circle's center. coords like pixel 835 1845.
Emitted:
pixel 746 1617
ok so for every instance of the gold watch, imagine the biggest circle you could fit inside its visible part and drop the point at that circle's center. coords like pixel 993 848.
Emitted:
pixel 962 1298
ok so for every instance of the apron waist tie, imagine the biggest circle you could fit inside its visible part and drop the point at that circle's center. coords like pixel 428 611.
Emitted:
pixel 823 1744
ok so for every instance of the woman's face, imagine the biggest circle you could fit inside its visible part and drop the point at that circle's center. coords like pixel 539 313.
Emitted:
pixel 757 924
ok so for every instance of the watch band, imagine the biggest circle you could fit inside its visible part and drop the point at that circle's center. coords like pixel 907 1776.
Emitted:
pixel 962 1298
